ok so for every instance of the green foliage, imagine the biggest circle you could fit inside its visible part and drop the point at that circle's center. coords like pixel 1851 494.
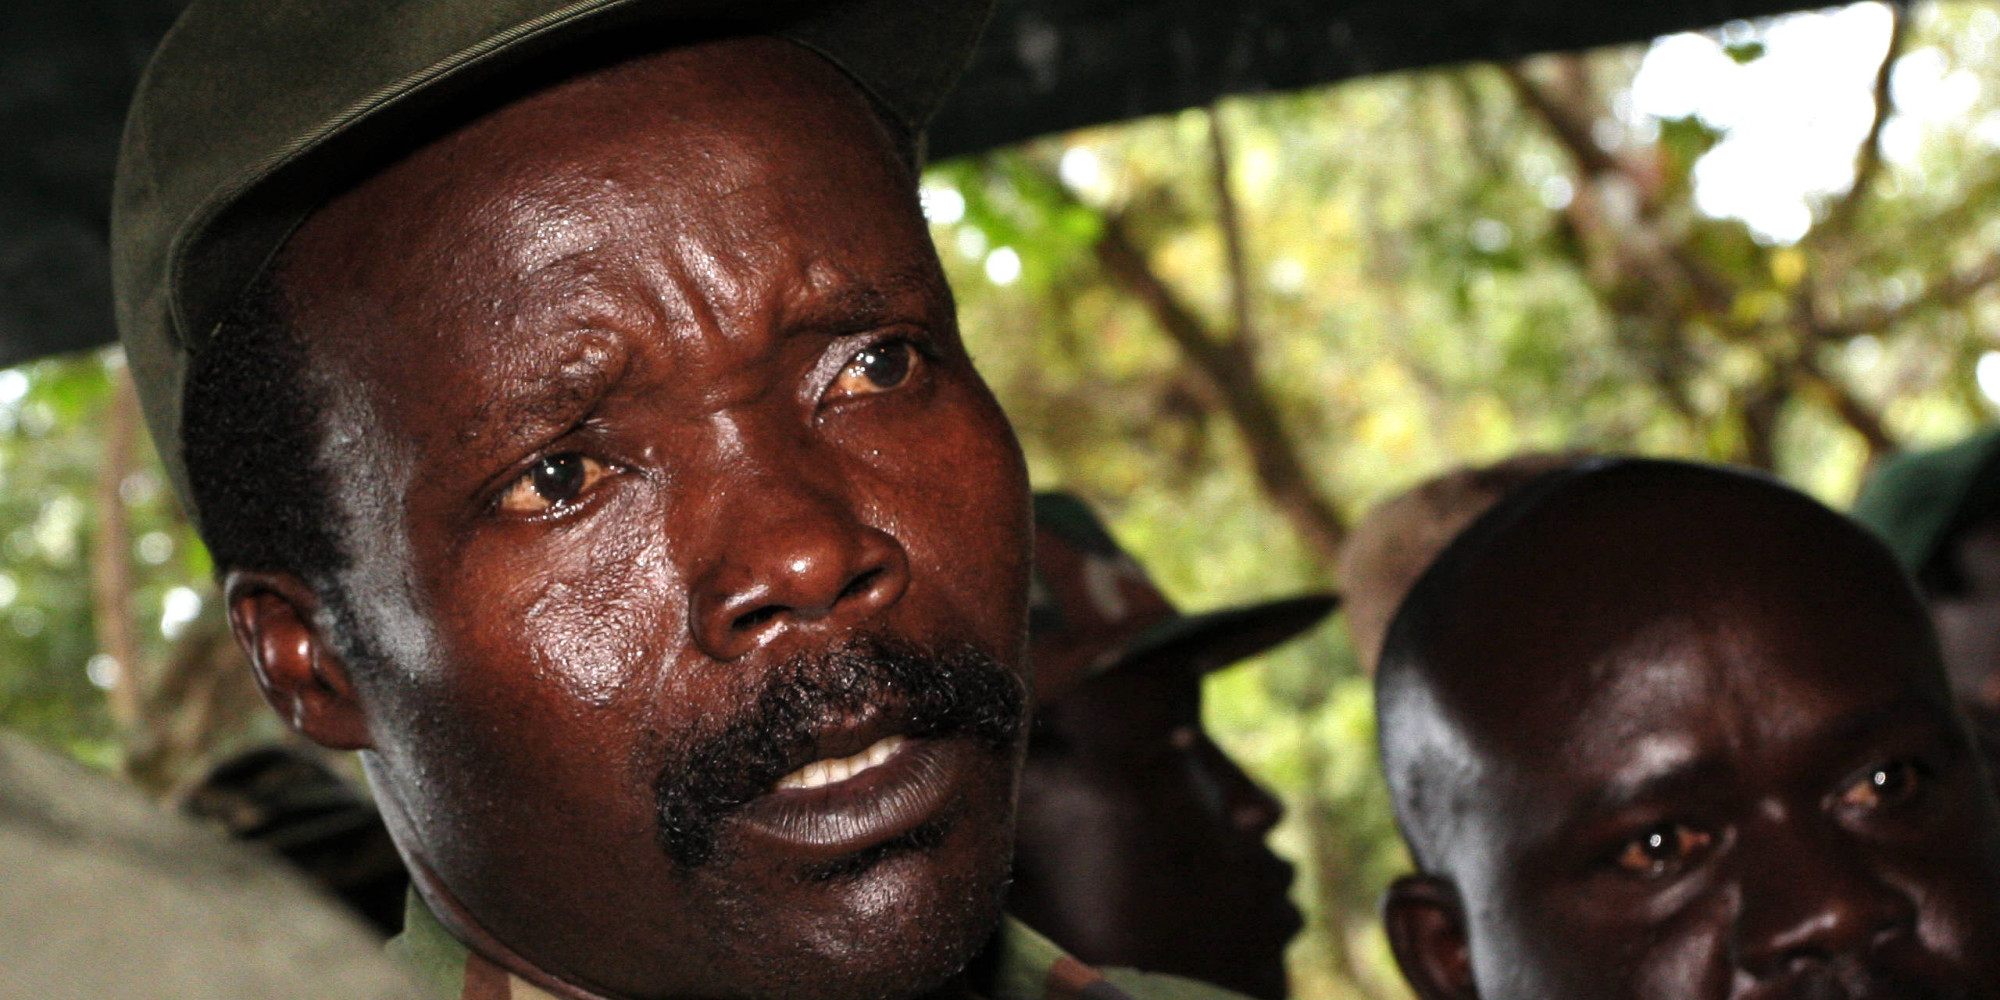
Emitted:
pixel 1745 52
pixel 1422 301
pixel 51 445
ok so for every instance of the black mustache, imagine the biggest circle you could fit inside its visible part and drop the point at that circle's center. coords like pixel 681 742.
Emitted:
pixel 707 775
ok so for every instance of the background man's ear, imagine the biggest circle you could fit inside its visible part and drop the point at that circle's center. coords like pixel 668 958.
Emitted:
pixel 275 618
pixel 1426 927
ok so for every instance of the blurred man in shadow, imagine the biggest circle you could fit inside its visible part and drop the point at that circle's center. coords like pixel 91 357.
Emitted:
pixel 1393 544
pixel 1140 843
pixel 287 801
pixel 1939 512
pixel 1663 730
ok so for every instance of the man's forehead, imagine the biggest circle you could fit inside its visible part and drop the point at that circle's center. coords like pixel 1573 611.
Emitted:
pixel 1575 709
pixel 552 176
pixel 483 251
pixel 1737 664
pixel 1609 557
pixel 1583 641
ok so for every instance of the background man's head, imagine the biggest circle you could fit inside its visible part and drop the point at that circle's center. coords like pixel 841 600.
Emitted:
pixel 1662 730
pixel 1140 842
pixel 580 460
pixel 1939 512
pixel 1399 537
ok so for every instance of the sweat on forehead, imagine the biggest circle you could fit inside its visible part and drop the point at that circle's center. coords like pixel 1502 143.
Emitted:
pixel 1586 575
pixel 550 176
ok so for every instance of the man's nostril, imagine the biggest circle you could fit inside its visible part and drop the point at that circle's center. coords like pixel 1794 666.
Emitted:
pixel 859 584
pixel 755 617
pixel 761 614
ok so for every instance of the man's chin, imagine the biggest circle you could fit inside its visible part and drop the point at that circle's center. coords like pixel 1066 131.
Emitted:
pixel 893 921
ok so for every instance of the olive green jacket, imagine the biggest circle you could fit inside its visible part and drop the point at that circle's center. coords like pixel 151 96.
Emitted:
pixel 1030 967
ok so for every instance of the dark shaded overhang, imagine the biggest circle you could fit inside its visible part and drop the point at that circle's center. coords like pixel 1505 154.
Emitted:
pixel 68 66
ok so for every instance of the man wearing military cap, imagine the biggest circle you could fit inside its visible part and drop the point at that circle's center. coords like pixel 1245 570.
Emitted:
pixel 1141 843
pixel 1939 512
pixel 574 406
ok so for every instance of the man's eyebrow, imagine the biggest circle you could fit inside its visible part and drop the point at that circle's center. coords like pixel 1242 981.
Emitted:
pixel 1678 780
pixel 531 406
pixel 858 305
pixel 1909 711
pixel 1691 776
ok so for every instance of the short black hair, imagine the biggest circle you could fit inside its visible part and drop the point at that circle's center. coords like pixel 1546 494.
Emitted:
pixel 250 435
pixel 253 419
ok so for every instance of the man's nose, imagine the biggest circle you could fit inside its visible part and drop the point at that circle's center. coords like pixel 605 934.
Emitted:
pixel 1809 898
pixel 790 558
pixel 1235 797
pixel 1251 809
pixel 1254 810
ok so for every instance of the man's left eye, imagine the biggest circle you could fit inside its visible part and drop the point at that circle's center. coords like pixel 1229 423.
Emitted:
pixel 1884 785
pixel 876 368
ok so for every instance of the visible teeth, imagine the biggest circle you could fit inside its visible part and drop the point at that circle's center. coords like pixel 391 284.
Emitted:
pixel 826 772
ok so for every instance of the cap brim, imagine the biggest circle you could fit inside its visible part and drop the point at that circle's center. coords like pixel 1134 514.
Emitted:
pixel 1216 639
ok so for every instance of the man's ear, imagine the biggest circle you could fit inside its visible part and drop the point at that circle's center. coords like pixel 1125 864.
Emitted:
pixel 275 618
pixel 1426 926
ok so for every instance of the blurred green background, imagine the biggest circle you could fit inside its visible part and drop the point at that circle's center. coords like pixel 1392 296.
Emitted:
pixel 1237 328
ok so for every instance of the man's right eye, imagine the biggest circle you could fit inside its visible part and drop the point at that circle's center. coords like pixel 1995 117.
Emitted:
pixel 1663 849
pixel 552 483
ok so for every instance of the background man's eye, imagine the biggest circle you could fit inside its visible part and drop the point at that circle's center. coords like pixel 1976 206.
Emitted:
pixel 1885 785
pixel 1663 848
pixel 552 482
pixel 876 368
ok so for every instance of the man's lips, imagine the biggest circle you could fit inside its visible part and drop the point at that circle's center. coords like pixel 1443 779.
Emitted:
pixel 827 771
pixel 836 806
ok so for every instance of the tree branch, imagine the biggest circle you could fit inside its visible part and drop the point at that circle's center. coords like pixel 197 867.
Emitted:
pixel 1952 291
pixel 1868 158
pixel 110 560
pixel 1231 224
pixel 1629 239
pixel 1852 410
pixel 1570 128
pixel 1273 453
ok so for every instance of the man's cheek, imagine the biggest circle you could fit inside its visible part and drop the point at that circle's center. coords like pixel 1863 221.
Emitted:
pixel 579 613
pixel 1687 962
pixel 1669 944
pixel 1958 917
pixel 600 624
pixel 955 496
pixel 960 431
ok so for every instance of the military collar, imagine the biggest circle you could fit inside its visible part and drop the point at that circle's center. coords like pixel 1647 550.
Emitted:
pixel 1029 966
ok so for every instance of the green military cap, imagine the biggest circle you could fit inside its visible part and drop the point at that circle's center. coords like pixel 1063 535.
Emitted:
pixel 1093 609
pixel 254 112
pixel 1916 502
